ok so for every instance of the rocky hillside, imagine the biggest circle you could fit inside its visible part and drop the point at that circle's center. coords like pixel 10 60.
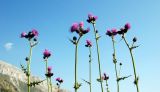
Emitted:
pixel 12 79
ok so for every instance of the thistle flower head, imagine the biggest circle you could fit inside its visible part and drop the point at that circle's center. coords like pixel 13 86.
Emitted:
pixel 86 31
pixel 35 32
pixel 114 31
pixel 30 34
pixel 78 28
pixel 127 26
pixel 49 69
pixel 88 43
pixel 124 30
pixel 109 33
pixel 60 80
pixel 91 18
pixel 134 39
pixel 81 24
pixel 23 34
pixel 49 73
pixel 46 53
pixel 105 76
pixel 74 27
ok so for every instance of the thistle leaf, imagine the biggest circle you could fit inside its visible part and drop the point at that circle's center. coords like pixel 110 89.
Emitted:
pixel 99 80
pixel 123 78
pixel 24 69
pixel 133 47
pixel 86 81
pixel 34 83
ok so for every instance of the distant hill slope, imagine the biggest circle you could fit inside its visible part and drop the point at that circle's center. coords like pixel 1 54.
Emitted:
pixel 12 79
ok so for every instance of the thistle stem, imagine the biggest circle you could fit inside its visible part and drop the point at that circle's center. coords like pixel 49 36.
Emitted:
pixel 76 61
pixel 133 62
pixel 115 62
pixel 107 86
pixel 90 71
pixel 46 73
pixel 28 66
pixel 51 83
pixel 99 64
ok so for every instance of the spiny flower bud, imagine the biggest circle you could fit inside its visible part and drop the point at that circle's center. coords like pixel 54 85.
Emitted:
pixel 26 58
pixel 35 39
pixel 74 38
pixel 134 39
pixel 120 64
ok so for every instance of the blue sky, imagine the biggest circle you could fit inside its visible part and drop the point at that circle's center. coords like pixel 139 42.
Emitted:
pixel 52 18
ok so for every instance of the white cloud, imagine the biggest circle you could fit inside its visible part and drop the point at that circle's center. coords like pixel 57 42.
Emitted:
pixel 8 46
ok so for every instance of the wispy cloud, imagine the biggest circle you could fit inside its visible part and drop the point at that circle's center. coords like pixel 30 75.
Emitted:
pixel 8 46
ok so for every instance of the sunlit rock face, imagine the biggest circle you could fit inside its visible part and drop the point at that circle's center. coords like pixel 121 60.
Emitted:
pixel 12 79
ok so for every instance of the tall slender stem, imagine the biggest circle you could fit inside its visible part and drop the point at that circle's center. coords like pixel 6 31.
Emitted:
pixel 133 62
pixel 90 71
pixel 50 83
pixel 99 64
pixel 107 86
pixel 46 73
pixel 76 61
pixel 28 66
pixel 115 62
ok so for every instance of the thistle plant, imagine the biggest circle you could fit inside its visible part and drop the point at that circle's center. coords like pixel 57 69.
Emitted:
pixel 49 74
pixel 89 45
pixel 79 29
pixel 31 37
pixel 122 32
pixel 59 82
pixel 92 20
pixel 105 77
pixel 112 33
pixel 46 55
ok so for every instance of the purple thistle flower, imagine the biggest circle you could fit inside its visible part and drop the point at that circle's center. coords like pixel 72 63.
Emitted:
pixel 46 54
pixel 91 18
pixel 23 34
pixel 86 31
pixel 109 33
pixel 74 27
pixel 49 69
pixel 81 24
pixel 105 76
pixel 95 17
pixel 121 31
pixel 127 26
pixel 49 74
pixel 35 32
pixel 59 80
pixel 114 31
pixel 90 15
pixel 88 43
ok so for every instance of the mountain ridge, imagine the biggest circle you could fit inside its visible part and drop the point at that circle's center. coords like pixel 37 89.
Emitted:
pixel 13 79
